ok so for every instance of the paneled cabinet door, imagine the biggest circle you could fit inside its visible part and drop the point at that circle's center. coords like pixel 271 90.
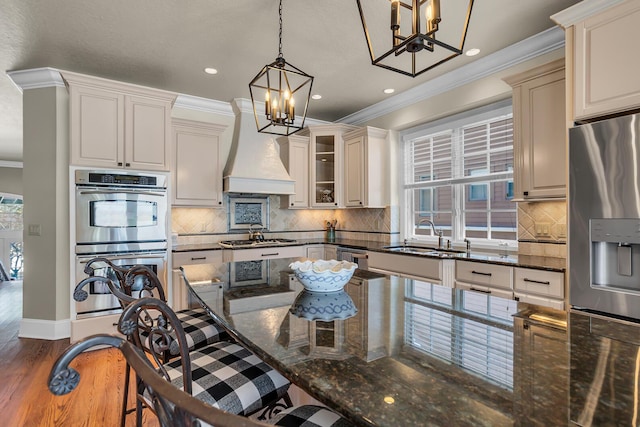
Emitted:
pixel 354 172
pixel 366 168
pixel 197 166
pixel 539 132
pixel 606 67
pixel 118 125
pixel 147 133
pixel 294 153
pixel 97 127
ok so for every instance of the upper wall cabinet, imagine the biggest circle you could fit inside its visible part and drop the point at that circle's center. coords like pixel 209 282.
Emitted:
pixel 539 132
pixel 603 45
pixel 327 165
pixel 294 152
pixel 196 164
pixel 606 62
pixel 366 180
pixel 117 125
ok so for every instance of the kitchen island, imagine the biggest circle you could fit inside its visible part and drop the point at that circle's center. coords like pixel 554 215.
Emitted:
pixel 422 354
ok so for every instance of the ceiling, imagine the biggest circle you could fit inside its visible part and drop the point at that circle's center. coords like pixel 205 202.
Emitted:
pixel 166 44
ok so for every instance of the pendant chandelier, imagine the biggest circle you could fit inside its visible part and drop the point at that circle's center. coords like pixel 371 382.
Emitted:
pixel 281 87
pixel 420 34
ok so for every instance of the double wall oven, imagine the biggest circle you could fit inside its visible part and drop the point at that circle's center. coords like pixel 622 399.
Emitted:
pixel 121 216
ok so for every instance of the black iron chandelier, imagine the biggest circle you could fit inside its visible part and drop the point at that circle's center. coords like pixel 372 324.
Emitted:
pixel 277 85
pixel 415 26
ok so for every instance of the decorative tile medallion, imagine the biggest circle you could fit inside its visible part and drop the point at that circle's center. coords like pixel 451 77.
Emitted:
pixel 244 211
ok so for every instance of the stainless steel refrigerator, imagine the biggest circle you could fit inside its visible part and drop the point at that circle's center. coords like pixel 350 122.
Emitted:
pixel 604 216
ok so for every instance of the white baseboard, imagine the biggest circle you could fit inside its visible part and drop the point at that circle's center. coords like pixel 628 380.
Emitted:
pixel 45 329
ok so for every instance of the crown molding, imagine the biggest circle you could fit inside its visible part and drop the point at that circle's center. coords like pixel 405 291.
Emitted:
pixel 36 78
pixel 580 11
pixel 532 47
pixel 203 104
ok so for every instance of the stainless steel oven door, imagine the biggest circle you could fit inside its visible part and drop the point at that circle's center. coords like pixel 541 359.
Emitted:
pixel 120 215
pixel 101 301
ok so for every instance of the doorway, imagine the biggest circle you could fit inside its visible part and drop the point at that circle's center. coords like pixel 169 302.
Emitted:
pixel 11 226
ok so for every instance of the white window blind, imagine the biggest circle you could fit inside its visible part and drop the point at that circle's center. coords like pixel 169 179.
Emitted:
pixel 459 175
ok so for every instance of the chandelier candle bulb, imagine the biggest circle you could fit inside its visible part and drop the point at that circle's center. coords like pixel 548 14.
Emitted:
pixel 395 15
pixel 266 103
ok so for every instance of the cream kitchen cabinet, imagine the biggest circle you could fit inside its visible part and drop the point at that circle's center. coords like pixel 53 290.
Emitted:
pixel 540 287
pixel 330 252
pixel 117 125
pixel 492 279
pixel 196 164
pixel 326 165
pixel 294 153
pixel 539 132
pixel 315 251
pixel 366 177
pixel 604 64
pixel 420 268
pixel 179 293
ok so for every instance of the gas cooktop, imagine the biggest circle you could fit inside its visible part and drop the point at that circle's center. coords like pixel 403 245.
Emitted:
pixel 256 243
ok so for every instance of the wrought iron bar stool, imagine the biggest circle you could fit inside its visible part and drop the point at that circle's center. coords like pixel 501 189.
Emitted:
pixel 173 406
pixel 140 281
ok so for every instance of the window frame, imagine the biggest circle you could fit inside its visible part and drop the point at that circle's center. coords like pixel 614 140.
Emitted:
pixel 457 121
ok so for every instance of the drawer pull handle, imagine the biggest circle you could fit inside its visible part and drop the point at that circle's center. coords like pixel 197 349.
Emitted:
pixel 194 258
pixel 480 273
pixel 541 282
pixel 272 254
pixel 487 291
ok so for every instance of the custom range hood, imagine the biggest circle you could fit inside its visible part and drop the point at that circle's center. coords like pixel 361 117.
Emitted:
pixel 254 164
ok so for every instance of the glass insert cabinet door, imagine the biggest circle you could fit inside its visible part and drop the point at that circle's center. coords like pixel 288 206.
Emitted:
pixel 325 163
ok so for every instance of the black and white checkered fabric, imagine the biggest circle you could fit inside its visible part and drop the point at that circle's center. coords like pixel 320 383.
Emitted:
pixel 200 329
pixel 232 378
pixel 308 416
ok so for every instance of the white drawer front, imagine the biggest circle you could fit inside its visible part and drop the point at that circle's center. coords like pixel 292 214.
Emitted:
pixel 196 257
pixel 501 293
pixel 495 276
pixel 540 282
pixel 558 304
pixel 231 255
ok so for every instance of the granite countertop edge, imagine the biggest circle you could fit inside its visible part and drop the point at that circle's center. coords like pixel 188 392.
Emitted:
pixel 525 261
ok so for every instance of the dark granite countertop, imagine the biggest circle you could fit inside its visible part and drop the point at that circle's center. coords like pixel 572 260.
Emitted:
pixel 418 354
pixel 528 261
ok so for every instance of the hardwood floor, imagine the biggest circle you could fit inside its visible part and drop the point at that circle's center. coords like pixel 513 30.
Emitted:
pixel 25 364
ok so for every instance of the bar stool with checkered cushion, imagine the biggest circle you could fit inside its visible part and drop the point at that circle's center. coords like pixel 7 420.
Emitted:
pixel 173 406
pixel 224 375
pixel 140 281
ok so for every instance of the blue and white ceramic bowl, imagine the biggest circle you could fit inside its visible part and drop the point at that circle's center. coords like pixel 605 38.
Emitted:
pixel 323 276
pixel 325 306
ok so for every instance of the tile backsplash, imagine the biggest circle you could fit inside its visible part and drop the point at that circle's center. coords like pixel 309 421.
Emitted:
pixel 542 228
pixel 200 225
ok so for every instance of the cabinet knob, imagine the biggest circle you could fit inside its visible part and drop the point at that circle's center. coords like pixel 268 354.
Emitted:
pixel 336 204
pixel 360 202
pixel 119 163
pixel 127 164
pixel 220 202
pixel 291 204
pixel 526 193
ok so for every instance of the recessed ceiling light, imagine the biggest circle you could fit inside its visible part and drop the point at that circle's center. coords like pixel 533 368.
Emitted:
pixel 389 90
pixel 316 96
pixel 210 70
pixel 472 52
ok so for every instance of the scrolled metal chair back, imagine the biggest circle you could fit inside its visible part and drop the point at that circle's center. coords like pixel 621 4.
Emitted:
pixel 172 406
pixel 151 325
